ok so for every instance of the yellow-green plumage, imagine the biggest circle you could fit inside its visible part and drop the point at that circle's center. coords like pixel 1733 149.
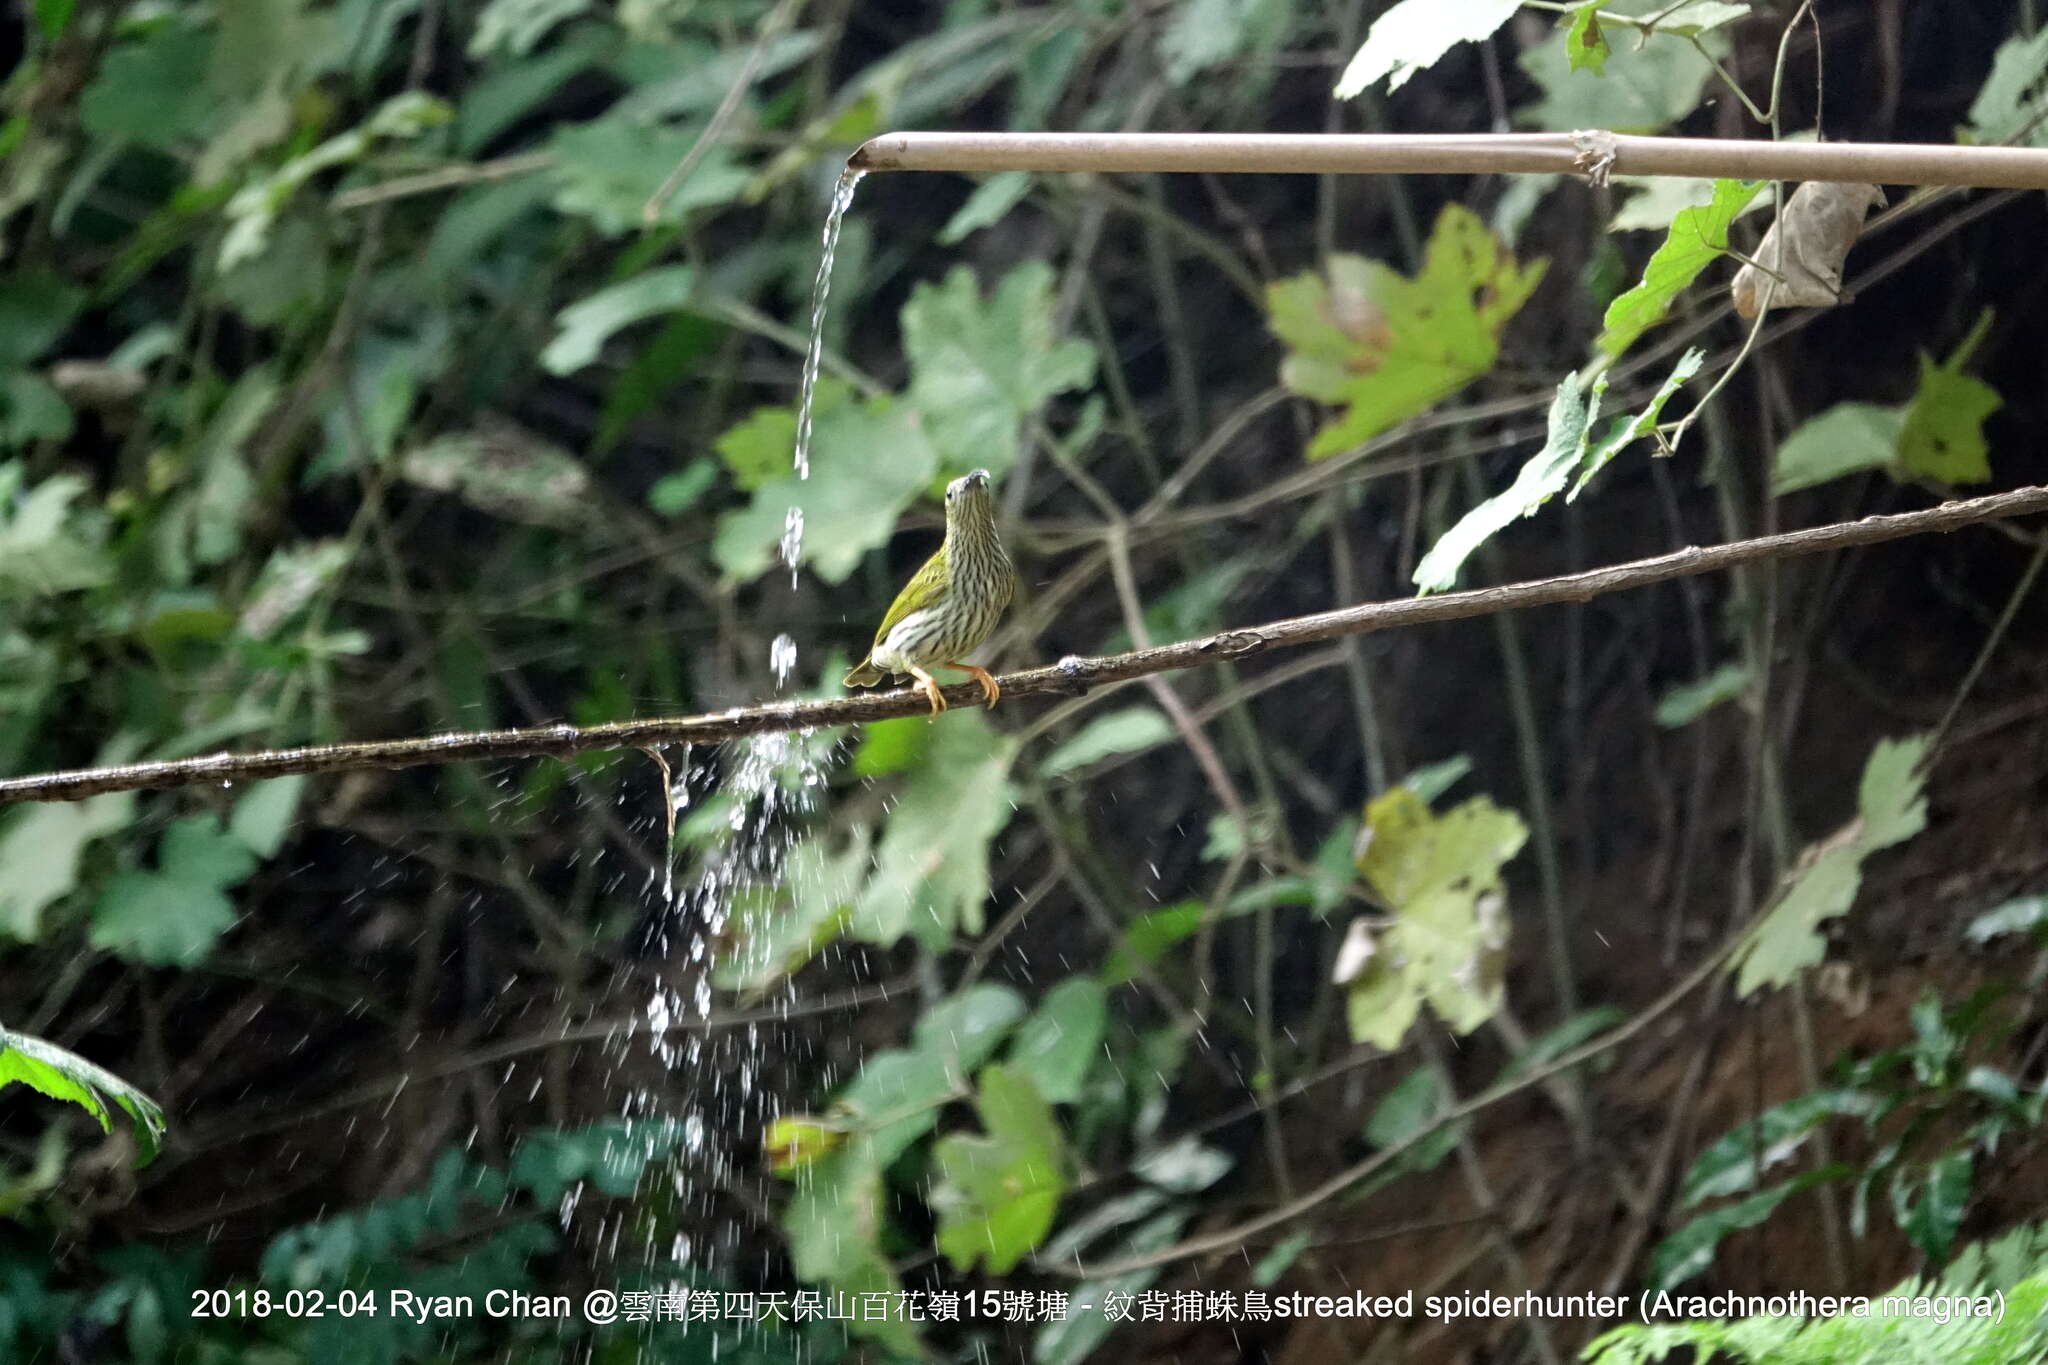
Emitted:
pixel 951 604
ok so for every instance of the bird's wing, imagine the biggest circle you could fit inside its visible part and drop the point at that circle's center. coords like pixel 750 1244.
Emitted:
pixel 922 590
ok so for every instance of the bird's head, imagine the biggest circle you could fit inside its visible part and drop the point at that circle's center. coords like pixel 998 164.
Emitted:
pixel 969 499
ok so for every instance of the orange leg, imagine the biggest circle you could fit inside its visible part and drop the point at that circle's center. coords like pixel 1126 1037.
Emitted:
pixel 990 688
pixel 929 685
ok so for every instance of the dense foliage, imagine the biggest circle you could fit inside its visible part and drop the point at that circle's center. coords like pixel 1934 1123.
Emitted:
pixel 385 367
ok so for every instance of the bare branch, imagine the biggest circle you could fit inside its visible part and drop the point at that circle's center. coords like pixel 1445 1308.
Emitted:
pixel 1071 676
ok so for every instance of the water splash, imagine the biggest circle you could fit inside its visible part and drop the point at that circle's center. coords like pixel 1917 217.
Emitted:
pixel 757 794
pixel 782 659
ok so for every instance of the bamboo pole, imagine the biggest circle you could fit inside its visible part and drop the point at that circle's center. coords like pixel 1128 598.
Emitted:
pixel 1587 152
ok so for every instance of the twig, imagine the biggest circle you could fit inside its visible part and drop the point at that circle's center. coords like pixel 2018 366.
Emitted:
pixel 771 29
pixel 441 178
pixel 1071 676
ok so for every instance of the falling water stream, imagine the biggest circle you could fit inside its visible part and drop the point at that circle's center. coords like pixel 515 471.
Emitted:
pixel 814 356
pixel 768 785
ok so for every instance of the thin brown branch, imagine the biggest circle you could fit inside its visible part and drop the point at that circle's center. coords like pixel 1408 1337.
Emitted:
pixel 1071 676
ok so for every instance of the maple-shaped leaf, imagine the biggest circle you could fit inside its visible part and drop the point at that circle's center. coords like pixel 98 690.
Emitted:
pixel 1384 346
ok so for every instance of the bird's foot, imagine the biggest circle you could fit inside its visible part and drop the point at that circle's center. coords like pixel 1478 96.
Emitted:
pixel 929 685
pixel 990 688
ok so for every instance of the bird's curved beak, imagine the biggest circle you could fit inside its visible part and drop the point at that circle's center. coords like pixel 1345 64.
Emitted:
pixel 980 477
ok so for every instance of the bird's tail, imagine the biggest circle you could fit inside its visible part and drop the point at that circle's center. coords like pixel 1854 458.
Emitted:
pixel 864 674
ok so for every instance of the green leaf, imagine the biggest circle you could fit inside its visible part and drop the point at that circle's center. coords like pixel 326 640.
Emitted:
pixel 1414 34
pixel 791 1143
pixel 892 746
pixel 1639 426
pixel 284 281
pixel 1432 780
pixel 1654 200
pixel 47 545
pixel 1585 42
pixel 869 461
pixel 174 915
pixel 1285 1252
pixel 1691 18
pixel 1545 475
pixel 1846 438
pixel 1891 807
pixel 964 1030
pixel 63 1075
pixel 36 308
pixel 1890 797
pixel 776 929
pixel 41 848
pixel 1148 937
pixel 1183 1166
pixel 1731 1165
pixel 2023 914
pixel 159 921
pixel 834 1226
pixel 895 1100
pixel 1058 1044
pixel 1384 346
pixel 1129 731
pixel 1643 88
pixel 2013 94
pixel 1072 1340
pixel 762 445
pixel 255 207
pixel 606 170
pixel 1555 1042
pixel 31 411
pixel 1932 1219
pixel 583 327
pixel 1824 887
pixel 931 869
pixel 1447 942
pixel 1200 34
pixel 54 16
pixel 1944 429
pixel 263 814
pixel 671 495
pixel 1698 235
pixel 997 1195
pixel 517 26
pixel 612 1156
pixel 990 203
pixel 979 367
pixel 154 89
pixel 1410 1108
pixel 1690 1250
pixel 1687 702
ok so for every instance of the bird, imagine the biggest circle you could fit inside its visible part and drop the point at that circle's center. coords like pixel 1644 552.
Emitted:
pixel 950 605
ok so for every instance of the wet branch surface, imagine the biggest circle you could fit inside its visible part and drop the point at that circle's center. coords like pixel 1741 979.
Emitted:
pixel 1071 676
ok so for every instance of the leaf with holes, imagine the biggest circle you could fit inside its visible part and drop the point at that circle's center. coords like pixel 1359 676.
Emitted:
pixel 1384 346
pixel 1943 436
pixel 1446 944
